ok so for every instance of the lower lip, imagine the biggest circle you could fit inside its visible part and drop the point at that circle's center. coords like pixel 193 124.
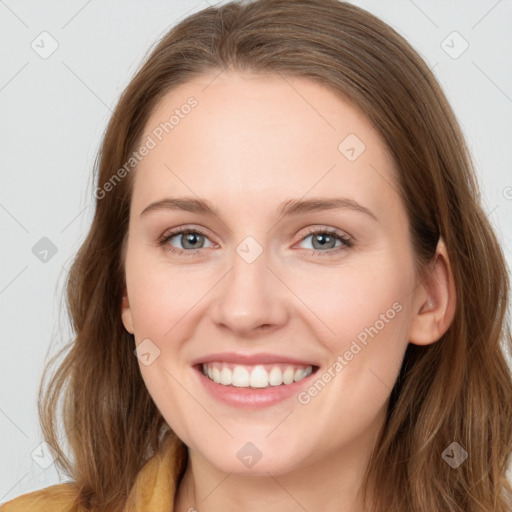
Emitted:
pixel 252 398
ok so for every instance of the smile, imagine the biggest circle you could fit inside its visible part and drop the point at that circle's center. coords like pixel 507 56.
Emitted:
pixel 253 381
pixel 255 376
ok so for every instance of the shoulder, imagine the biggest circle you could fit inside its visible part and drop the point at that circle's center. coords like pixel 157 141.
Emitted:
pixel 50 499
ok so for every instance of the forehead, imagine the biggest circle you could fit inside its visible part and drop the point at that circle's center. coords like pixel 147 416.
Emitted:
pixel 262 138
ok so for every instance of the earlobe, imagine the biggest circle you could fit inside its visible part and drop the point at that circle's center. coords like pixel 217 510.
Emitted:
pixel 435 301
pixel 126 313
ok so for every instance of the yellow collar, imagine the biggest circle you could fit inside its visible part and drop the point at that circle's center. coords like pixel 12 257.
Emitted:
pixel 154 489
pixel 156 483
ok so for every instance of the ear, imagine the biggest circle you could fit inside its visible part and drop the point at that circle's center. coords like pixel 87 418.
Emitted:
pixel 126 312
pixel 435 301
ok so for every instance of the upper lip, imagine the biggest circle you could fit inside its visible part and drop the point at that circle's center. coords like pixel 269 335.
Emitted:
pixel 250 359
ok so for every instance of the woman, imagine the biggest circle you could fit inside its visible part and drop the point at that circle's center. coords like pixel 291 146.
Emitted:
pixel 273 369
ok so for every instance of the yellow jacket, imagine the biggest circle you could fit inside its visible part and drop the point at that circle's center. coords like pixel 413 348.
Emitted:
pixel 153 491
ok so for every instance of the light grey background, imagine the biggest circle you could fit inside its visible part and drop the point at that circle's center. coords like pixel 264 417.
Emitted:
pixel 54 111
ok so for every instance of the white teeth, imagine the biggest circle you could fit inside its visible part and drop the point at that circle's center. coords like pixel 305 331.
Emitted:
pixel 259 377
pixel 226 376
pixel 240 377
pixel 255 376
pixel 275 377
pixel 299 374
pixel 288 375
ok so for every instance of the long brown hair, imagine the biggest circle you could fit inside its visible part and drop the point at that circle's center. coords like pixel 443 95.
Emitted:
pixel 458 389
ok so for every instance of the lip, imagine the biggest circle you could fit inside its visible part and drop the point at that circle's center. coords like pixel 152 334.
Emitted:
pixel 251 398
pixel 251 359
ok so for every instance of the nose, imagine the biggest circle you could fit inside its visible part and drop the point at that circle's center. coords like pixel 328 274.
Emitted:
pixel 250 299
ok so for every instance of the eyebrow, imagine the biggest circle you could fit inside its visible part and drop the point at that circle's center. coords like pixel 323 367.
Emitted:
pixel 287 208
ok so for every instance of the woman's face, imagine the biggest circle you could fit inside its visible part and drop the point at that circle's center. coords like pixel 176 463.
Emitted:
pixel 275 284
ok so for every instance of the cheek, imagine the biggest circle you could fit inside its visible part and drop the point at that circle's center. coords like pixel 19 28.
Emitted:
pixel 352 299
pixel 364 327
pixel 364 315
pixel 160 295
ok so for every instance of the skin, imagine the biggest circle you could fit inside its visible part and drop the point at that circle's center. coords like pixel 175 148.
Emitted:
pixel 253 142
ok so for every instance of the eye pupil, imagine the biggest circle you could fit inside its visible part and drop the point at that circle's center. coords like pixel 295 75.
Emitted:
pixel 323 239
pixel 190 238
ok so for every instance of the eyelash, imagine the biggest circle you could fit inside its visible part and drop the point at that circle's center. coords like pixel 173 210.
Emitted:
pixel 347 242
